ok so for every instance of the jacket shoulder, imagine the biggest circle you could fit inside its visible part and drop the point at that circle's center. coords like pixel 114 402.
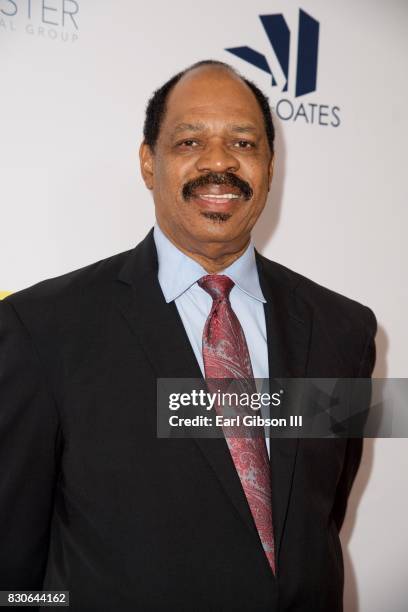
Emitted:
pixel 328 304
pixel 91 278
pixel 69 304
pixel 62 317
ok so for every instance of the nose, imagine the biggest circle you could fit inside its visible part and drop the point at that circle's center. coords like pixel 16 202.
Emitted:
pixel 216 157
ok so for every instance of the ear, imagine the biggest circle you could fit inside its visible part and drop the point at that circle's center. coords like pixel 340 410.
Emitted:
pixel 146 164
pixel 270 170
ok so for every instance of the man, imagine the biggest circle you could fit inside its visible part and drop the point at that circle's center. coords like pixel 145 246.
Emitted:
pixel 91 500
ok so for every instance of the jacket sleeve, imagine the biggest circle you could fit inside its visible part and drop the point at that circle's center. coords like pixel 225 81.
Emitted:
pixel 29 448
pixel 354 448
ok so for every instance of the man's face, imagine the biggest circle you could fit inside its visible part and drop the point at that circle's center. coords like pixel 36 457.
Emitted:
pixel 211 169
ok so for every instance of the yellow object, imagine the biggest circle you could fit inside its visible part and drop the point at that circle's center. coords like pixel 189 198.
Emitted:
pixel 3 294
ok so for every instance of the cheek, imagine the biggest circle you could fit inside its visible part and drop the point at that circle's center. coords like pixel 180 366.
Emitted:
pixel 256 171
pixel 165 178
pixel 259 179
pixel 170 180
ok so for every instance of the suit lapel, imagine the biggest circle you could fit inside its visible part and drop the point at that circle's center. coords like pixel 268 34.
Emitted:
pixel 288 322
pixel 288 325
pixel 161 333
pixel 155 323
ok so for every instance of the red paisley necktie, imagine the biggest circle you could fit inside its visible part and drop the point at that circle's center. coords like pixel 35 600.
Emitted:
pixel 226 355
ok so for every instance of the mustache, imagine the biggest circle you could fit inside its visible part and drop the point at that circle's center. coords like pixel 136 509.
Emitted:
pixel 217 178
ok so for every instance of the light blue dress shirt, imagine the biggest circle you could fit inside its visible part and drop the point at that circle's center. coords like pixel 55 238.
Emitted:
pixel 178 275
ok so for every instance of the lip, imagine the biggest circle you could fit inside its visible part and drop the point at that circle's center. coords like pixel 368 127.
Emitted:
pixel 220 203
pixel 216 190
pixel 221 198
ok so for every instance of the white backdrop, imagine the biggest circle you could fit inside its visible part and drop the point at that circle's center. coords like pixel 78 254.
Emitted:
pixel 72 99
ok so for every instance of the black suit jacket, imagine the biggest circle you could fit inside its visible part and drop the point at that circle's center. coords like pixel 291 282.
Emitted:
pixel 93 502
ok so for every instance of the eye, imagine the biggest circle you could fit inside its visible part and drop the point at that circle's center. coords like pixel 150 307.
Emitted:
pixel 244 144
pixel 189 143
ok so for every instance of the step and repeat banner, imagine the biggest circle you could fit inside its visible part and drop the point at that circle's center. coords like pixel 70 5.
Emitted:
pixel 75 76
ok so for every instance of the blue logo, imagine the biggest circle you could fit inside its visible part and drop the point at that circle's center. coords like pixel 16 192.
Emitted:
pixel 278 33
pixel 304 73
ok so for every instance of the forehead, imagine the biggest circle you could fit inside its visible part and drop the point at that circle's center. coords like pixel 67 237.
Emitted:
pixel 211 94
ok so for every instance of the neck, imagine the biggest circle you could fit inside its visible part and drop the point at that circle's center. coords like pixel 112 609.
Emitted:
pixel 213 257
pixel 213 264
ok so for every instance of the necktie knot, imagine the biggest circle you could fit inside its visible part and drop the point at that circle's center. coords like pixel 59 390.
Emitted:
pixel 217 285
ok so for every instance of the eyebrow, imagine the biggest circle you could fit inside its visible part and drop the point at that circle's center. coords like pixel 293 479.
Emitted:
pixel 240 129
pixel 190 127
pixel 199 127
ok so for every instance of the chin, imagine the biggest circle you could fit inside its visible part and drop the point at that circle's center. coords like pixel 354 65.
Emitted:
pixel 216 229
pixel 217 217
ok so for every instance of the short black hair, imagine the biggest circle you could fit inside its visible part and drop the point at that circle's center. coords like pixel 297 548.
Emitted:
pixel 156 106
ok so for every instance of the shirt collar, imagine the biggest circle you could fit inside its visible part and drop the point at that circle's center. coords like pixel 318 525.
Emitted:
pixel 178 272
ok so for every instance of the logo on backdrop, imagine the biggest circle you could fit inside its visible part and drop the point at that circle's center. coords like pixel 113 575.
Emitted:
pixel 300 79
pixel 48 19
